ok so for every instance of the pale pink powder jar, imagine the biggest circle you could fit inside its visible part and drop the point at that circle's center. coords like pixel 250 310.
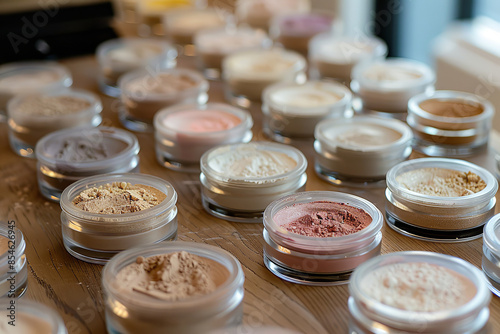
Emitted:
pixel 320 261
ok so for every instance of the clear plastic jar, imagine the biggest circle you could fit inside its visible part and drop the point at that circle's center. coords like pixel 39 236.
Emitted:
pixel 96 238
pixel 135 313
pixel 333 56
pixel 235 197
pixel 212 45
pixel 180 145
pixel 30 77
pixel 359 151
pixel 119 56
pixel 26 127
pixel 292 111
pixel 368 315
pixel 144 93
pixel 13 264
pixel 316 260
pixel 247 73
pixel 385 86
pixel 450 123
pixel 30 317
pixel 55 172
pixel 491 253
pixel 436 218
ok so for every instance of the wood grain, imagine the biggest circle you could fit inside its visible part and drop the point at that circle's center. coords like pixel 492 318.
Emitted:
pixel 74 288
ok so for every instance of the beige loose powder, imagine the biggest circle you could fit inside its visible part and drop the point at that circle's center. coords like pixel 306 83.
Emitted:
pixel 4 245
pixel 441 182
pixel 418 287
pixel 451 108
pixel 52 105
pixel 173 276
pixel 118 198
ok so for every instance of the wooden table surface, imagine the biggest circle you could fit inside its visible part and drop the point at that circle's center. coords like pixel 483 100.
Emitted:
pixel 73 287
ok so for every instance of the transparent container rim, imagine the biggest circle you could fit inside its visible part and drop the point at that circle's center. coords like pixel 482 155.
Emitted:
pixel 10 69
pixel 437 201
pixel 202 84
pixel 235 279
pixel 283 237
pixel 68 195
pixel 109 132
pixel 94 100
pixel 490 237
pixel 450 95
pixel 331 86
pixel 106 46
pixel 394 124
pixel 298 170
pixel 243 115
pixel 299 64
pixel 480 300
pixel 358 80
pixel 20 242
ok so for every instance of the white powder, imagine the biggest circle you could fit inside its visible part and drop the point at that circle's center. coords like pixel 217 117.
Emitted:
pixel 251 162
pixel 419 287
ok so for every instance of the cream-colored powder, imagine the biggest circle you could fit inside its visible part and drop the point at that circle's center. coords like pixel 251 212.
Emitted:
pixel 28 80
pixel 362 135
pixel 419 287
pixel 441 182
pixel 252 163
pixel 52 105
pixel 163 83
pixel 381 72
pixel 118 198
pixel 172 277
pixel 25 323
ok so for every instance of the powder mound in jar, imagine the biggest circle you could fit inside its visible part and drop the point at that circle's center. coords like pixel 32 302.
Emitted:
pixel 418 287
pixel 173 276
pixel 441 182
pixel 252 163
pixel 322 219
pixel 82 149
pixel 455 109
pixel 118 198
pixel 163 83
pixel 52 105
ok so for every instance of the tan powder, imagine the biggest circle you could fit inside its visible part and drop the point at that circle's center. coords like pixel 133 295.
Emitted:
pixel 173 276
pixel 441 182
pixel 118 198
pixel 418 287
pixel 4 245
pixel 451 108
pixel 52 105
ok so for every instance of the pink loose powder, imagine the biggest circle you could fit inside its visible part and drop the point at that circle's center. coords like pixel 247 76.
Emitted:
pixel 322 219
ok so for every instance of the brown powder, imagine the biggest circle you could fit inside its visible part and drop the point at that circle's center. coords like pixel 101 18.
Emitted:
pixel 451 108
pixel 173 276
pixel 52 105
pixel 118 198
pixel 322 219
pixel 4 245
pixel 441 182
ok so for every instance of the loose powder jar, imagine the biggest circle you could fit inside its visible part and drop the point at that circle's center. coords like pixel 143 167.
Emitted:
pixel 119 56
pixel 12 247
pixel 439 199
pixel 212 45
pixel 385 86
pixel 491 253
pixel 30 318
pixel 176 287
pixel 144 93
pixel 247 73
pixel 418 292
pixel 32 116
pixel 105 214
pixel 239 181
pixel 360 150
pixel 184 132
pixel 66 156
pixel 450 123
pixel 292 111
pixel 182 24
pixel 333 56
pixel 320 237
pixel 30 77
